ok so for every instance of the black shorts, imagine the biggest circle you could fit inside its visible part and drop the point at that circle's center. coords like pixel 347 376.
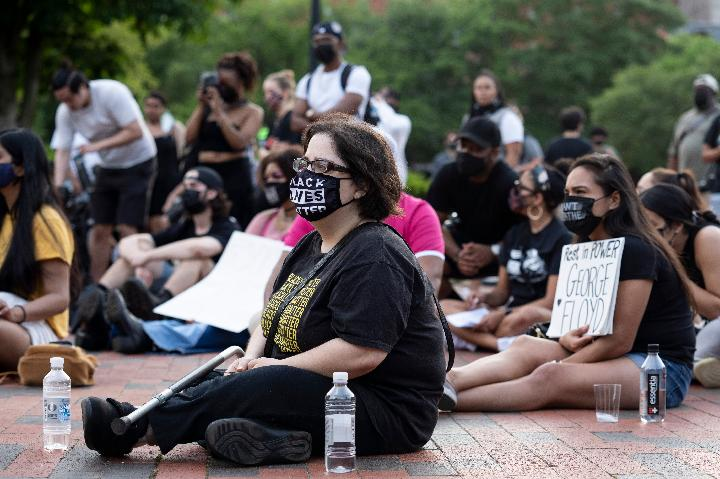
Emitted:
pixel 122 196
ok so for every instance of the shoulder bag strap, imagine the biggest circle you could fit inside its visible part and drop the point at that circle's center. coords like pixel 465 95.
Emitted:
pixel 443 320
pixel 270 339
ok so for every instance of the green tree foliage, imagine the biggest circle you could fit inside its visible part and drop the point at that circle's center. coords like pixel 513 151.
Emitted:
pixel 36 34
pixel 644 102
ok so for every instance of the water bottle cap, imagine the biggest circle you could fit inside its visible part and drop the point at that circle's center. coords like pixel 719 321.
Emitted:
pixel 340 376
pixel 653 348
pixel 57 362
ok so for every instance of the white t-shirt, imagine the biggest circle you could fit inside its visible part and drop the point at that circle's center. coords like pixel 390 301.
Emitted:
pixel 398 127
pixel 112 107
pixel 510 125
pixel 326 90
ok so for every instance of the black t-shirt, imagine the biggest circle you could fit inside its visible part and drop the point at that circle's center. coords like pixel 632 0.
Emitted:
pixel 530 258
pixel 280 130
pixel 567 148
pixel 668 319
pixel 482 208
pixel 221 229
pixel 371 293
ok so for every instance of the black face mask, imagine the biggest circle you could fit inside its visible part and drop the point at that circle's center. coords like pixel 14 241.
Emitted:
pixel 277 193
pixel 471 165
pixel 703 99
pixel 192 202
pixel 316 195
pixel 228 94
pixel 325 53
pixel 579 217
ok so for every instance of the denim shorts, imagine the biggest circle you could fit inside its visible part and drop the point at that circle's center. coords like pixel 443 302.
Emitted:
pixel 679 376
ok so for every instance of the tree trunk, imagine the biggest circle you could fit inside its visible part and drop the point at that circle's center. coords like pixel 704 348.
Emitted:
pixel 8 79
pixel 33 57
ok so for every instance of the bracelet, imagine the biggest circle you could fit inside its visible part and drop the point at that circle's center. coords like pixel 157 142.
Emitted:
pixel 22 308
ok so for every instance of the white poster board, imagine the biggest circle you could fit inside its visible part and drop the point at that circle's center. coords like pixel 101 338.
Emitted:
pixel 587 287
pixel 233 291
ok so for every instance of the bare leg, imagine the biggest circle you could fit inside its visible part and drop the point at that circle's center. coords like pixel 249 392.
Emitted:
pixel 557 385
pixel 15 340
pixel 117 274
pixel 514 324
pixel 127 230
pixel 520 359
pixel 452 306
pixel 487 341
pixel 157 223
pixel 100 246
pixel 187 273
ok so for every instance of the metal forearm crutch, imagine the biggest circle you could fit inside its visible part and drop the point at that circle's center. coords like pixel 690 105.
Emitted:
pixel 121 425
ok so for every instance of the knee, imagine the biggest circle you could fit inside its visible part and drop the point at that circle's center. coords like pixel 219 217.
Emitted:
pixel 546 381
pixel 522 342
pixel 126 230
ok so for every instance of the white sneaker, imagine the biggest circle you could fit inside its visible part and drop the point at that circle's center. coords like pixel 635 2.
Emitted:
pixel 707 371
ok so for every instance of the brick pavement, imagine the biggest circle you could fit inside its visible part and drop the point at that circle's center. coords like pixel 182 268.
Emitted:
pixel 542 444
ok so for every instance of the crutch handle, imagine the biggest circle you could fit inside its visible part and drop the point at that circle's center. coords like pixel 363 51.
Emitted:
pixel 120 425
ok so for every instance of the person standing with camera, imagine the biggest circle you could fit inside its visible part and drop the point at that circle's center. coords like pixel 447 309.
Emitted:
pixel 224 125
pixel 105 112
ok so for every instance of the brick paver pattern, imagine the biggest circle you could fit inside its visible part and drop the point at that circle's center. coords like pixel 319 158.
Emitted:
pixel 542 444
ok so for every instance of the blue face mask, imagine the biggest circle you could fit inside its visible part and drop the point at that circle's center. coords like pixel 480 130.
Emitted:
pixel 7 174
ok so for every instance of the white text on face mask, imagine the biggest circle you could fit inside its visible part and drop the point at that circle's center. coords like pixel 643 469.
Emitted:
pixel 301 196
pixel 308 182
pixel 308 210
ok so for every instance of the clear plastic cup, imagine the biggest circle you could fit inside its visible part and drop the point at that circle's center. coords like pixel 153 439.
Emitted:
pixel 607 402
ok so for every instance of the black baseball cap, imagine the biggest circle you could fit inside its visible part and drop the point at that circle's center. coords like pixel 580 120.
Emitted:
pixel 209 177
pixel 328 28
pixel 481 131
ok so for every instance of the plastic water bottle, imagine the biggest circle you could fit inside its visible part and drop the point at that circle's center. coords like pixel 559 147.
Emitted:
pixel 340 426
pixel 653 377
pixel 56 407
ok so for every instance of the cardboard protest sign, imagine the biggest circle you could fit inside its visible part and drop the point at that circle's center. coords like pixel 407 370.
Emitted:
pixel 233 291
pixel 587 287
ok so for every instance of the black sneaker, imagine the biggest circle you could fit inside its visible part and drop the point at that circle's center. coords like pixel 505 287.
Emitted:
pixel 130 337
pixel 140 301
pixel 251 443
pixel 98 415
pixel 92 330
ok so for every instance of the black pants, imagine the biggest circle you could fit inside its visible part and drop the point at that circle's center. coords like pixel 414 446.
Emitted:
pixel 281 396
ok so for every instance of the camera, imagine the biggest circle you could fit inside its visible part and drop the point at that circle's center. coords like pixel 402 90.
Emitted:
pixel 208 79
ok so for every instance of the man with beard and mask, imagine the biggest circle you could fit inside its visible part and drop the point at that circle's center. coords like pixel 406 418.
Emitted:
pixel 274 174
pixel 105 112
pixel 223 127
pixel 334 86
pixel 475 187
pixel 189 249
pixel 685 151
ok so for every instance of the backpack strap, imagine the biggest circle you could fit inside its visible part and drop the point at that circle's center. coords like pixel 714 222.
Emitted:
pixel 345 74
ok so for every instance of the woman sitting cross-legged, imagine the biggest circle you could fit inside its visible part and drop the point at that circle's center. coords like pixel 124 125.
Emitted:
pixel 36 250
pixel 350 297
pixel 652 306
pixel 529 264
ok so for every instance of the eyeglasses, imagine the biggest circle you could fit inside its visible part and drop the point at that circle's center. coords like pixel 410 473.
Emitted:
pixel 320 166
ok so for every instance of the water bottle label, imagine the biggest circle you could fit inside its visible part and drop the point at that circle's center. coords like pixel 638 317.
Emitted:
pixel 57 409
pixel 653 394
pixel 339 427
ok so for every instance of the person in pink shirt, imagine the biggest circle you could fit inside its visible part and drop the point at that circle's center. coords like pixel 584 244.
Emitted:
pixel 274 174
pixel 418 225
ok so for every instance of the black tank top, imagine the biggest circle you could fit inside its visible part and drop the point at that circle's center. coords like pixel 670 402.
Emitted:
pixel 166 155
pixel 211 137
pixel 688 257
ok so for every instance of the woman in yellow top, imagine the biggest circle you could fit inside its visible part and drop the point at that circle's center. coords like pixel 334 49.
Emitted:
pixel 36 250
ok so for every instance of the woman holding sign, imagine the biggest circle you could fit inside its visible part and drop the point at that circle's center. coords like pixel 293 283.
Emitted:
pixel 529 263
pixel 537 373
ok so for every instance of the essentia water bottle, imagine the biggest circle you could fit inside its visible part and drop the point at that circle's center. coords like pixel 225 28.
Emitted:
pixel 56 406
pixel 340 426
pixel 653 376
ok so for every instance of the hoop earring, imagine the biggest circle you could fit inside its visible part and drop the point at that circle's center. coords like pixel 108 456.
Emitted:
pixel 536 215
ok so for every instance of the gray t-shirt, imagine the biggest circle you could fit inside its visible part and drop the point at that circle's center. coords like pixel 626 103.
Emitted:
pixel 112 107
pixel 688 140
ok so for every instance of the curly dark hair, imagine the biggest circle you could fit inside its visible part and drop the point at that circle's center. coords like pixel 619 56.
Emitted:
pixel 283 159
pixel 369 158
pixel 243 64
